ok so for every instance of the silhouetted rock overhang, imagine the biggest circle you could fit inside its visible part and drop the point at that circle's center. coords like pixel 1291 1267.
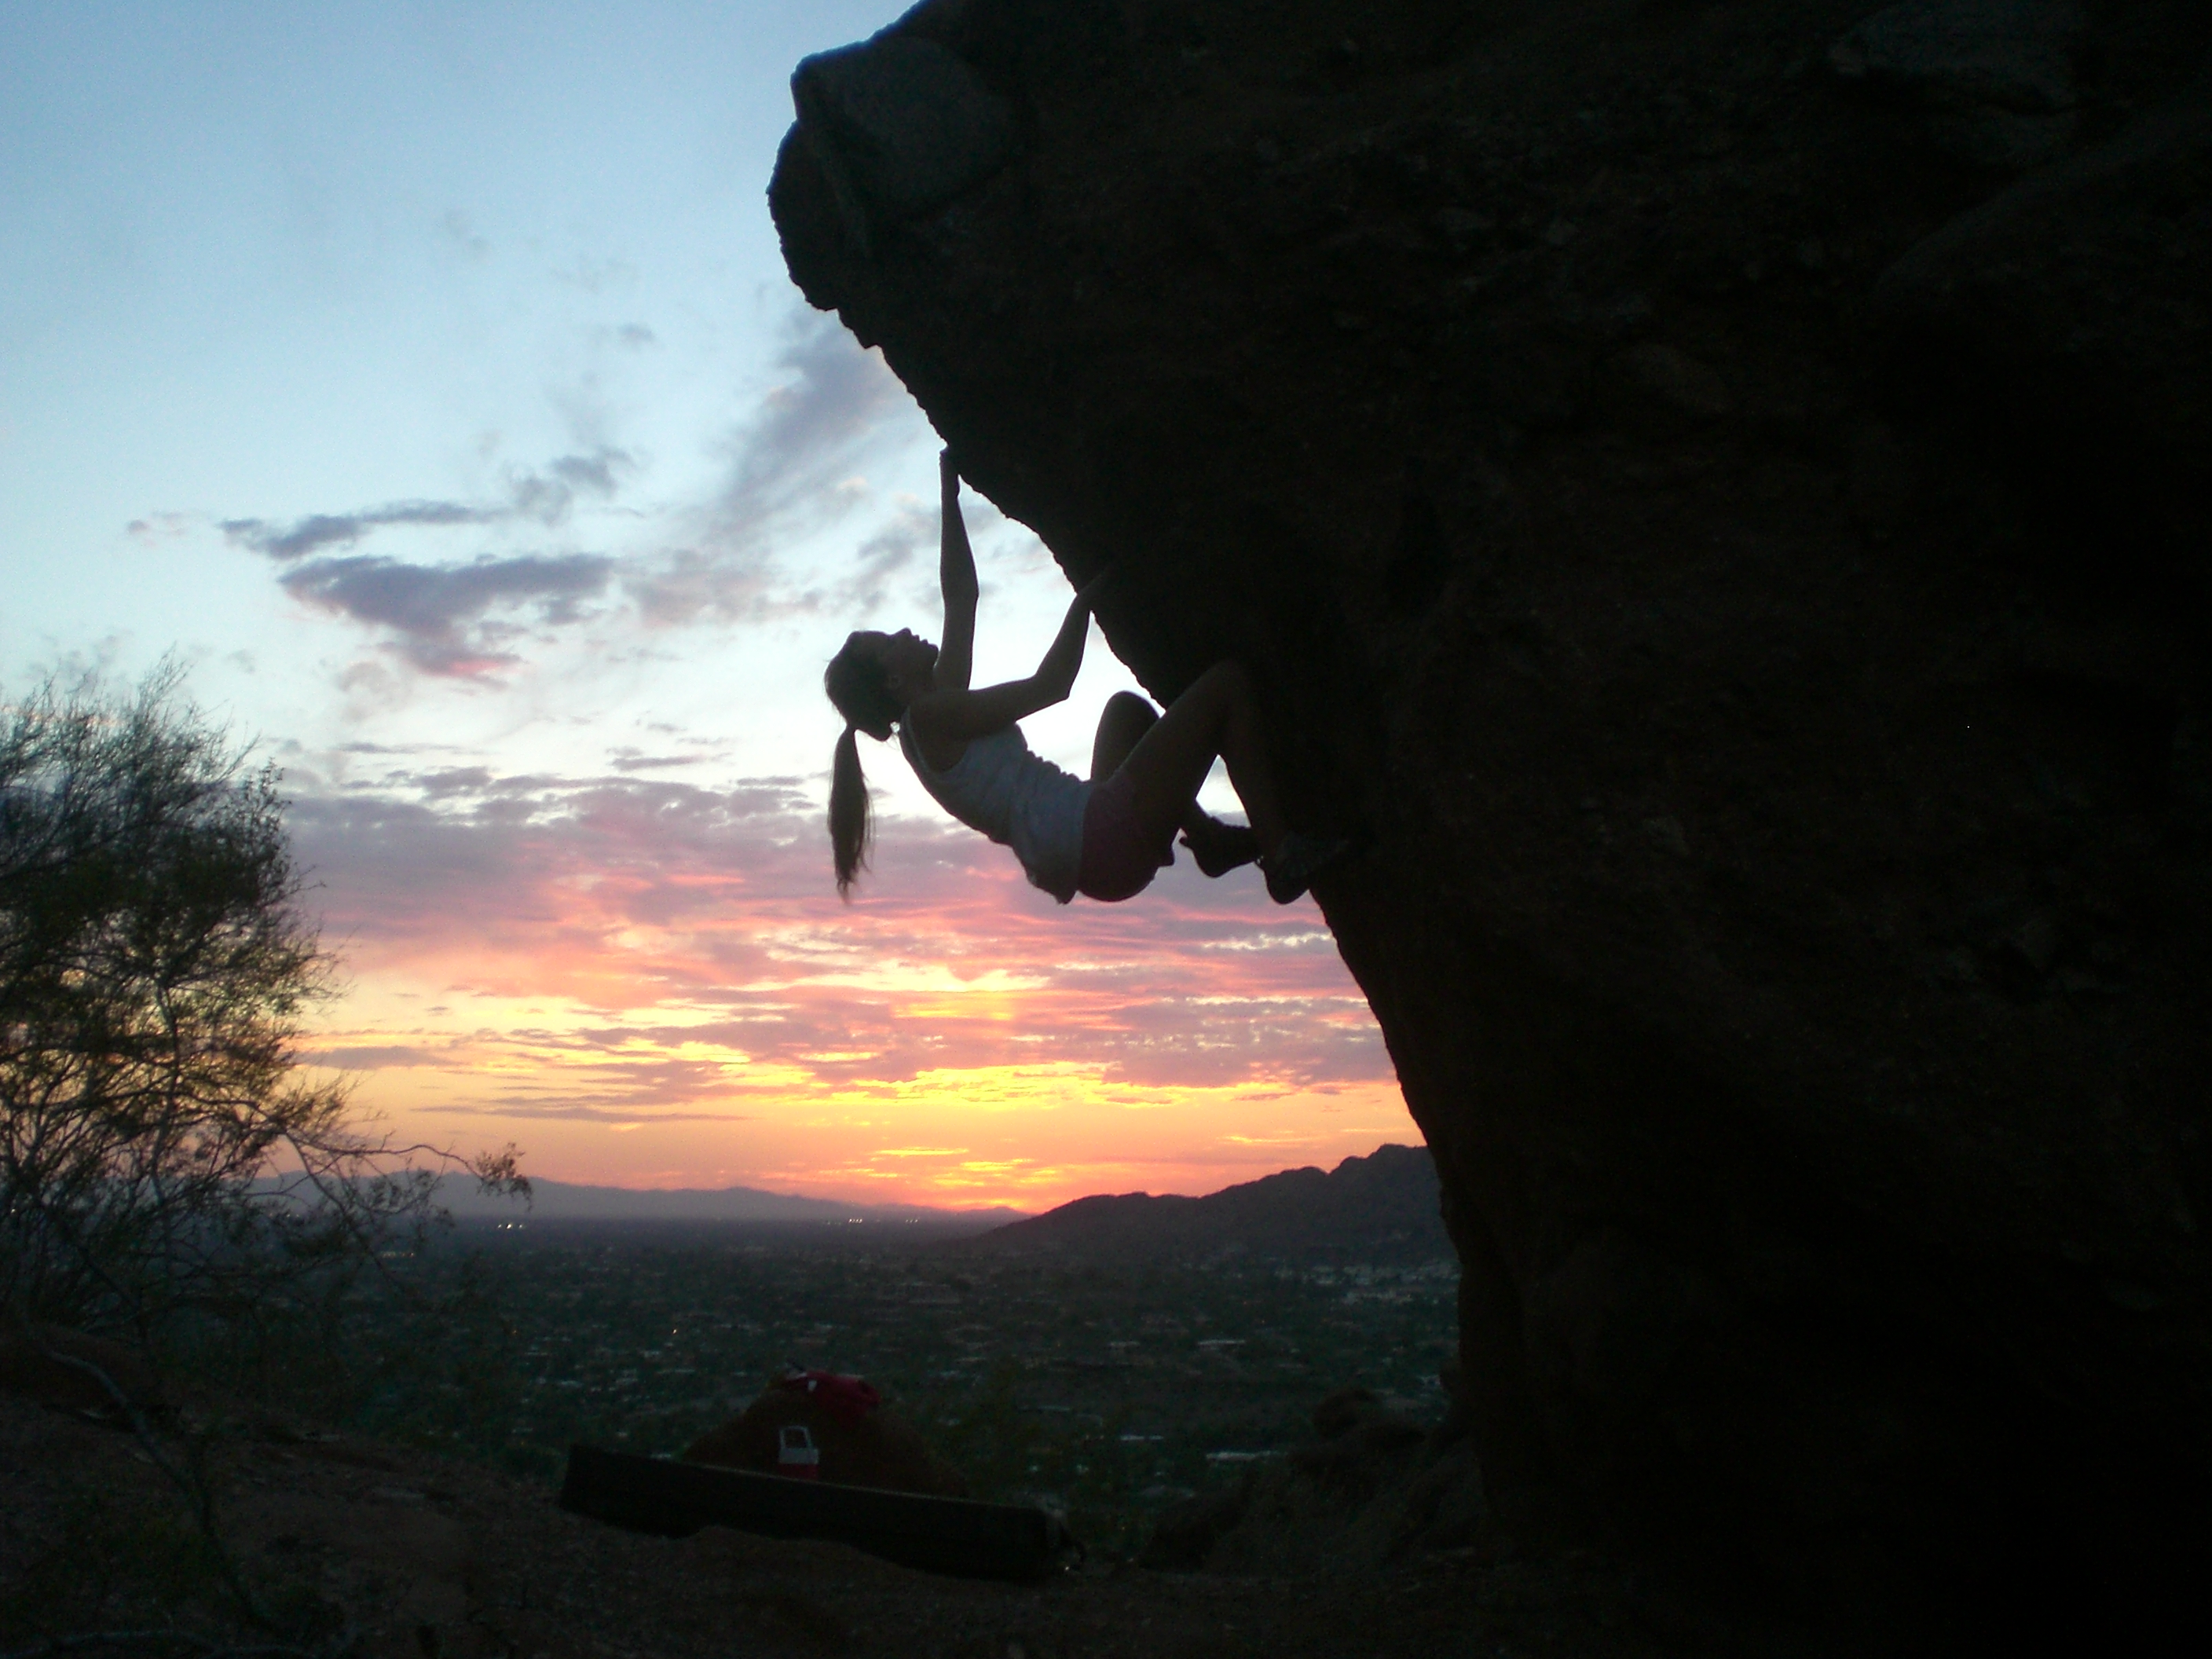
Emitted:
pixel 1718 498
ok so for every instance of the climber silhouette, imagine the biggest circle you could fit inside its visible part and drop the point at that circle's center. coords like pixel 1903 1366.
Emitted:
pixel 1105 836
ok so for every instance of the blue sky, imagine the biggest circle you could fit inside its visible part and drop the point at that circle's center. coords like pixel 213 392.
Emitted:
pixel 270 263
pixel 427 379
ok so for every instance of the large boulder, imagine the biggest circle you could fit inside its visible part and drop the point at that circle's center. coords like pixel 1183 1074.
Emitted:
pixel 2073 313
pixel 1371 1489
pixel 1774 694
pixel 898 127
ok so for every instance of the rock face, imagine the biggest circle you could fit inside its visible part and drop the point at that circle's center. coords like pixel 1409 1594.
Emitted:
pixel 897 129
pixel 1741 563
pixel 1372 1488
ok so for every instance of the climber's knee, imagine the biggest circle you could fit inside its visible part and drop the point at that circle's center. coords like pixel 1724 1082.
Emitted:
pixel 1122 723
pixel 1133 708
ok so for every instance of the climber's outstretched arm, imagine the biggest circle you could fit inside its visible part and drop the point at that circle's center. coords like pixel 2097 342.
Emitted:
pixel 950 715
pixel 956 575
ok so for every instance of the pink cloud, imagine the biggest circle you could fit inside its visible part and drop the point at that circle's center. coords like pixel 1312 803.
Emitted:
pixel 693 960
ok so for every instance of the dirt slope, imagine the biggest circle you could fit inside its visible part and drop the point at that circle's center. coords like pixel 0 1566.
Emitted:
pixel 418 1558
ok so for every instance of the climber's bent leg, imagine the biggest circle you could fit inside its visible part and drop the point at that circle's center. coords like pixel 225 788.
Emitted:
pixel 1218 717
pixel 1154 788
pixel 1218 848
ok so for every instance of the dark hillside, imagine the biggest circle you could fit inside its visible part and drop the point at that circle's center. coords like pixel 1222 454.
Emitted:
pixel 1380 1208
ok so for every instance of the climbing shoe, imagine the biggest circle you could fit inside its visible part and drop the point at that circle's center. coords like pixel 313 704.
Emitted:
pixel 1297 861
pixel 1221 847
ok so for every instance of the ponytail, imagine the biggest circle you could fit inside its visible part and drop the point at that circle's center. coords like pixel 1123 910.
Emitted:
pixel 851 822
pixel 860 690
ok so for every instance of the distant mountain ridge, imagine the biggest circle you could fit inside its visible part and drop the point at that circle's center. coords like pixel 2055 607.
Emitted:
pixel 1380 1208
pixel 561 1201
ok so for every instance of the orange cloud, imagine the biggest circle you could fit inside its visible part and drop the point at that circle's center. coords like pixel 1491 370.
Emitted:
pixel 654 983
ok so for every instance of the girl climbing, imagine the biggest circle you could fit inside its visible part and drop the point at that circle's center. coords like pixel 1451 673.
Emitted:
pixel 1105 836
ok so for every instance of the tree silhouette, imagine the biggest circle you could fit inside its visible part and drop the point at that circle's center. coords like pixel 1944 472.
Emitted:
pixel 159 1155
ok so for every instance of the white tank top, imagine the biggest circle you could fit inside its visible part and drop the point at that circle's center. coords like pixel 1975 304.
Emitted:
pixel 1017 799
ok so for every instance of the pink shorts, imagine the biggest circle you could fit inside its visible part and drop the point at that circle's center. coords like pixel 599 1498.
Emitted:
pixel 1118 862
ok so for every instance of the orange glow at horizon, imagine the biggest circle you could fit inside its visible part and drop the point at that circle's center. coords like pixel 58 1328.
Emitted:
pixel 641 986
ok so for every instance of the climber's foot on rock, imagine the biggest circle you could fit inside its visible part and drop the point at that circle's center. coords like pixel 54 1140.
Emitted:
pixel 1219 847
pixel 1297 861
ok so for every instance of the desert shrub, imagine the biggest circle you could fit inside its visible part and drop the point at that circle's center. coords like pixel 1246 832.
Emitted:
pixel 160 1160
pixel 166 1174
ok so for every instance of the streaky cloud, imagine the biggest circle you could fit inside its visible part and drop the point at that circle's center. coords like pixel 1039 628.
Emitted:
pixel 631 761
pixel 881 557
pixel 812 427
pixel 372 1057
pixel 703 955
pixel 285 543
pixel 600 471
pixel 574 1113
pixel 440 614
pixel 789 471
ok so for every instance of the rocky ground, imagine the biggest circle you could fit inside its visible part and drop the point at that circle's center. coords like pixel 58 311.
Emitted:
pixel 353 1547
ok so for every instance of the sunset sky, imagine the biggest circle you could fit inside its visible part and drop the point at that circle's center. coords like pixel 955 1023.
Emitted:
pixel 427 379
